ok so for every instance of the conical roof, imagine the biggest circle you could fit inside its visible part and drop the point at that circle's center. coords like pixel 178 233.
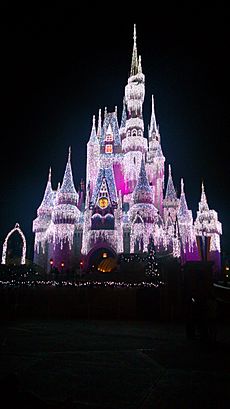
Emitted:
pixel 170 189
pixel 48 198
pixel 142 192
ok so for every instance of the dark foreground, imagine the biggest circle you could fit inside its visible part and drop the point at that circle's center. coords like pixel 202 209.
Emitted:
pixel 112 365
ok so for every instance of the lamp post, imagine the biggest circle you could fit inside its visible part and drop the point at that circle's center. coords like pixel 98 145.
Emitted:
pixel 51 265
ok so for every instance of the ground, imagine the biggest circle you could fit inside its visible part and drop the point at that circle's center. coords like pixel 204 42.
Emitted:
pixel 112 364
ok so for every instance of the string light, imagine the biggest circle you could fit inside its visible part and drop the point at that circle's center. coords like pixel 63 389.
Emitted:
pixel 124 200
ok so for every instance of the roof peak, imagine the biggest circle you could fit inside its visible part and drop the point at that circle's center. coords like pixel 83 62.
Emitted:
pixel 134 64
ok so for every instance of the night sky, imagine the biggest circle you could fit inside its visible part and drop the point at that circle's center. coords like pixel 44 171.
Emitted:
pixel 58 67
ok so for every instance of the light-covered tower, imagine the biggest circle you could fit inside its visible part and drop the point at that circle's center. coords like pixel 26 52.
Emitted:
pixel 134 145
pixel 208 230
pixel 65 216
pixel 142 213
pixel 170 202
pixel 155 161
pixel 41 225
pixel 93 154
pixel 186 229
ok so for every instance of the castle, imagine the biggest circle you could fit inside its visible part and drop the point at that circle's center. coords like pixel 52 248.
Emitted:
pixel 126 201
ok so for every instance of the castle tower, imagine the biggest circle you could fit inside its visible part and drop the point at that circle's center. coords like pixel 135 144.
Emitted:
pixel 208 230
pixel 134 145
pixel 64 218
pixel 186 229
pixel 155 161
pixel 170 202
pixel 142 213
pixel 93 154
pixel 41 224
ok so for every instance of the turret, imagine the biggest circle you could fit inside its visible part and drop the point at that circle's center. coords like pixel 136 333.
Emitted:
pixel 142 213
pixel 42 222
pixel 155 161
pixel 142 192
pixel 134 145
pixel 170 202
pixel 65 212
pixel 208 230
pixel 67 193
pixel 99 125
pixel 185 226
pixel 93 154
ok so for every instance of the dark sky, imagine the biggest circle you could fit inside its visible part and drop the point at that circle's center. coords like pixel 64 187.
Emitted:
pixel 58 67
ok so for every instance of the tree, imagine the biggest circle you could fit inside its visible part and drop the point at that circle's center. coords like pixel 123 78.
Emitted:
pixel 151 267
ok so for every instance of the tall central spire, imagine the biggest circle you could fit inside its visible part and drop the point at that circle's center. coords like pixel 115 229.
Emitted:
pixel 134 65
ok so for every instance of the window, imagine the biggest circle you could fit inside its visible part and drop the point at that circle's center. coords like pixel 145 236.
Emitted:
pixel 109 138
pixel 108 148
pixel 134 132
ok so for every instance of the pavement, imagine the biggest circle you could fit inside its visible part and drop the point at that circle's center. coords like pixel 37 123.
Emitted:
pixel 112 365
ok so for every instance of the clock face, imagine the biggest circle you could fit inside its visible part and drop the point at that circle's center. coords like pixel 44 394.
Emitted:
pixel 103 202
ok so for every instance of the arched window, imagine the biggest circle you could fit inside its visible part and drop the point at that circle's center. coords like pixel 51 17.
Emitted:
pixel 134 132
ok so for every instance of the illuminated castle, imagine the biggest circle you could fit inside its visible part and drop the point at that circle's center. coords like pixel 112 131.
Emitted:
pixel 125 203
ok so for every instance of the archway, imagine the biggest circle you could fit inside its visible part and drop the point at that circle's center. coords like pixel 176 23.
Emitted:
pixel 97 255
pixel 4 250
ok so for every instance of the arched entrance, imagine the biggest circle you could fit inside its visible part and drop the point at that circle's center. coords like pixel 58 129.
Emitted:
pixel 97 255
pixel 4 250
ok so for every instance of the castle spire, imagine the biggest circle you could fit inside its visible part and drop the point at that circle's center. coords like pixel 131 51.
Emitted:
pixel 170 190
pixel 207 223
pixel 99 124
pixel 93 136
pixel 134 64
pixel 183 207
pixel 142 192
pixel 49 177
pixel 47 201
pixel 153 124
pixel 203 195
pixel 67 183
pixel 203 205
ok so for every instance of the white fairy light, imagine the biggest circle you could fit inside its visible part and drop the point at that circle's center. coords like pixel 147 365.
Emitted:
pixel 124 203
pixel 4 250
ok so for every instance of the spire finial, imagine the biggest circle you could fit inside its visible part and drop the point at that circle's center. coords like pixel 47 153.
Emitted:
pixel 202 186
pixel 93 135
pixel 203 195
pixel 182 186
pixel 153 124
pixel 49 178
pixel 134 65
pixel 170 172
pixel 69 156
pixel 134 33
pixel 99 124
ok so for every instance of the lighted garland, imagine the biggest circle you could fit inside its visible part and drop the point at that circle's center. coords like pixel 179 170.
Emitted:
pixel 137 164
pixel 4 250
